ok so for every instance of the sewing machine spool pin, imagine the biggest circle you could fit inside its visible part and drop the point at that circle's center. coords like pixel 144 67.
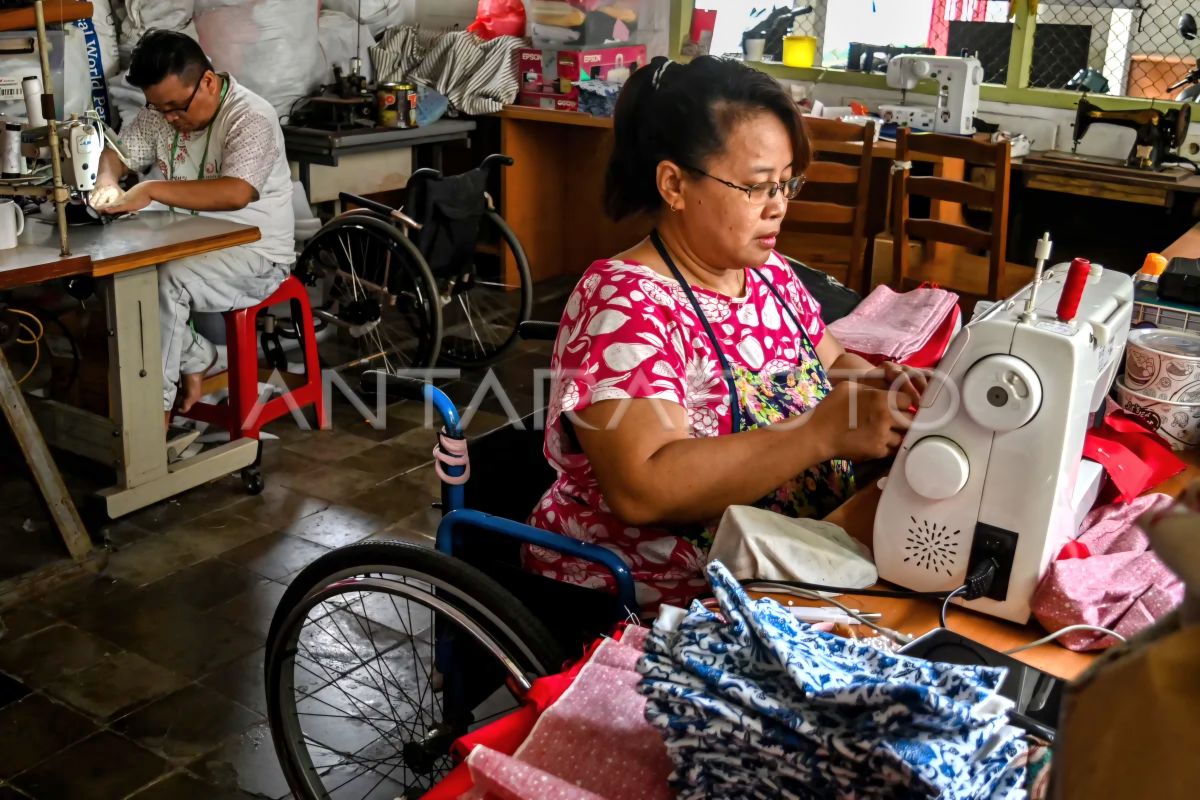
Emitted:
pixel 1041 253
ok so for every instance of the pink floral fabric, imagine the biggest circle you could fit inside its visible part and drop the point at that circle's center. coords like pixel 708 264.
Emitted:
pixel 594 742
pixel 629 332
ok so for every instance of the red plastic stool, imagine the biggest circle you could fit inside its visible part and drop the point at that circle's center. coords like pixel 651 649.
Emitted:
pixel 245 414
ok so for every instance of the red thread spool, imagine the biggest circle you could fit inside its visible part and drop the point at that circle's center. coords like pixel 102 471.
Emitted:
pixel 1068 302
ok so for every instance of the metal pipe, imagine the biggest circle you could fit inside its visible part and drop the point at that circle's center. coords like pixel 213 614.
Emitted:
pixel 61 194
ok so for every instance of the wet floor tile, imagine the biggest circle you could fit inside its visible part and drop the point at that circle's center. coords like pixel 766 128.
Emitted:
pixel 36 728
pixel 202 586
pixel 105 766
pixel 59 650
pixel 247 762
pixel 117 684
pixel 336 526
pixel 275 556
pixel 243 682
pixel 329 482
pixel 253 609
pixel 187 724
pixel 183 786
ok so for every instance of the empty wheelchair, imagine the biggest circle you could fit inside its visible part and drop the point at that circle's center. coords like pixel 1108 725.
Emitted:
pixel 443 278
pixel 381 654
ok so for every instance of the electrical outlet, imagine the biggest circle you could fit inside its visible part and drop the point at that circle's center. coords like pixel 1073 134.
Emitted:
pixel 999 544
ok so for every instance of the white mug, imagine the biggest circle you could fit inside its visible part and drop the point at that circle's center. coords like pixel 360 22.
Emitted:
pixel 754 49
pixel 12 224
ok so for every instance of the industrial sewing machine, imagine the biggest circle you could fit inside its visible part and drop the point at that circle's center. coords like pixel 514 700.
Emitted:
pixel 958 80
pixel 1158 131
pixel 993 464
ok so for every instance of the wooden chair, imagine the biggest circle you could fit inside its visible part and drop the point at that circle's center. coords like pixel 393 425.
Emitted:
pixel 952 248
pixel 824 225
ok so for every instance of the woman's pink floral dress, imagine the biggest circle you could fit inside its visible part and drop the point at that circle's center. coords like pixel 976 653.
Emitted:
pixel 629 332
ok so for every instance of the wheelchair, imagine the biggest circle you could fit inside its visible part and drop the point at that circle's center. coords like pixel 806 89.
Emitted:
pixel 444 278
pixel 381 654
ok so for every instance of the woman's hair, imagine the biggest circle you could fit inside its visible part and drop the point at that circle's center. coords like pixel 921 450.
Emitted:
pixel 682 113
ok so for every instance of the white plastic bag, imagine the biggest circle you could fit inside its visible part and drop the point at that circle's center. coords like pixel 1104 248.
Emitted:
pixel 73 84
pixel 270 46
pixel 341 38
pixel 142 15
pixel 378 15
pixel 105 23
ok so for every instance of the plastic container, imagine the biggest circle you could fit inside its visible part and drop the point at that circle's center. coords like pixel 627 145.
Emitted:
pixel 565 24
pixel 799 51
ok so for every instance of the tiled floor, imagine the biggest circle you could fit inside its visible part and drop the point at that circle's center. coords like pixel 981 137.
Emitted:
pixel 146 681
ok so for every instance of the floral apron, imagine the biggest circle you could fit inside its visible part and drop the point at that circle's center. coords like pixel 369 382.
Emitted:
pixel 762 398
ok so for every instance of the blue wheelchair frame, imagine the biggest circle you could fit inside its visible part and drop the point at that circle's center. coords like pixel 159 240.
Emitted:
pixel 458 520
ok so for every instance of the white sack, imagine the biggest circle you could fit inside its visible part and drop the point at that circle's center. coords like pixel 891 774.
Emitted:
pixel 270 46
pixel 378 15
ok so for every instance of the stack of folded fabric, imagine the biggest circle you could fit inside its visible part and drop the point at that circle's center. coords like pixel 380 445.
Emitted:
pixel 761 705
pixel 888 326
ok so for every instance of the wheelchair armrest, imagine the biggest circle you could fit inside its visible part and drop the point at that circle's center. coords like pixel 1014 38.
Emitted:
pixel 404 387
pixel 534 331
pixel 466 518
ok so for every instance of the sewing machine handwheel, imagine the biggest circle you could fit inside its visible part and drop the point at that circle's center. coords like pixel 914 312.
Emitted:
pixel 252 479
pixel 1001 393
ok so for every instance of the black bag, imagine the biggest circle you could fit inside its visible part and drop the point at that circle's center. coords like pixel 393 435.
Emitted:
pixel 836 300
pixel 449 210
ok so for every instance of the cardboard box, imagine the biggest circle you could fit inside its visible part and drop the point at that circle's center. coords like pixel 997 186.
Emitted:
pixel 545 97
pixel 602 63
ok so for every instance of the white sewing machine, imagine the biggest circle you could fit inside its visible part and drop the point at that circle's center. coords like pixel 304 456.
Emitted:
pixel 958 80
pixel 993 464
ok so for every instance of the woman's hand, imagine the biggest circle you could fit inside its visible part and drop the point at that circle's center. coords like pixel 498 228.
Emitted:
pixel 861 423
pixel 890 376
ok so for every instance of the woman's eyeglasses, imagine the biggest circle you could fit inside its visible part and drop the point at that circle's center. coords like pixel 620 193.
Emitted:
pixel 762 193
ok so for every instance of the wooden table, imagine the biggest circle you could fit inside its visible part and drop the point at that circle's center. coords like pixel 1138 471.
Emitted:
pixel 1089 180
pixel 553 194
pixel 124 255
pixel 916 617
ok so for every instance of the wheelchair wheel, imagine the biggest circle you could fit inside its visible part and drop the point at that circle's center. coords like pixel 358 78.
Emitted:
pixel 382 653
pixel 481 311
pixel 381 294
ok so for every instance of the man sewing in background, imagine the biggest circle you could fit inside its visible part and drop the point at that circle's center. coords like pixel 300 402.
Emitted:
pixel 220 151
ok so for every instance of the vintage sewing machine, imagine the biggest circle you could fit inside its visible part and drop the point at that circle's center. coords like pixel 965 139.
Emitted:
pixel 993 464
pixel 958 80
pixel 1159 132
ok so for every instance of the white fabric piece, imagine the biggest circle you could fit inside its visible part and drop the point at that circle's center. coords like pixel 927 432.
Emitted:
pixel 271 46
pixel 378 15
pixel 341 38
pixel 243 141
pixel 755 543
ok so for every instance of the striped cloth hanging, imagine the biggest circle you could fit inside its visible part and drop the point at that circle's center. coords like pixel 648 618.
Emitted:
pixel 477 77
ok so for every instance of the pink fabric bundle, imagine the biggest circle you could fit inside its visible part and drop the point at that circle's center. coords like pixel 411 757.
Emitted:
pixel 1108 577
pixel 593 744
pixel 893 325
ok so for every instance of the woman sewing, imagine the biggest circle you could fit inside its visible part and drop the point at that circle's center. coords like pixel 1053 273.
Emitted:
pixel 693 371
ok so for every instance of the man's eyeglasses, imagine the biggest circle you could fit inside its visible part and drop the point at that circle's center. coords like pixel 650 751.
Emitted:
pixel 186 106
pixel 761 193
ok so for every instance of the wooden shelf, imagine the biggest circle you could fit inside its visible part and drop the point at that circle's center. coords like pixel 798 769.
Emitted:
pixel 556 117
pixel 22 19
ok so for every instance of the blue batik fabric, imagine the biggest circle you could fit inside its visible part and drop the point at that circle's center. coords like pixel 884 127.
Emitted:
pixel 759 704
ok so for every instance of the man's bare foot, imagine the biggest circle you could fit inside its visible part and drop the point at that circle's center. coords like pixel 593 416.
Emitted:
pixel 191 389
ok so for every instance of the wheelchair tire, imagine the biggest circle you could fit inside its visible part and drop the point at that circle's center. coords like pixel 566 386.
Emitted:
pixel 464 609
pixel 356 242
pixel 498 306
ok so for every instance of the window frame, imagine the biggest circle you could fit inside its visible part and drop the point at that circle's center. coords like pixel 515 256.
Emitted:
pixel 1016 91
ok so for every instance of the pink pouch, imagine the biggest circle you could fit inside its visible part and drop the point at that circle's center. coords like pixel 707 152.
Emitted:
pixel 1108 577
pixel 894 326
